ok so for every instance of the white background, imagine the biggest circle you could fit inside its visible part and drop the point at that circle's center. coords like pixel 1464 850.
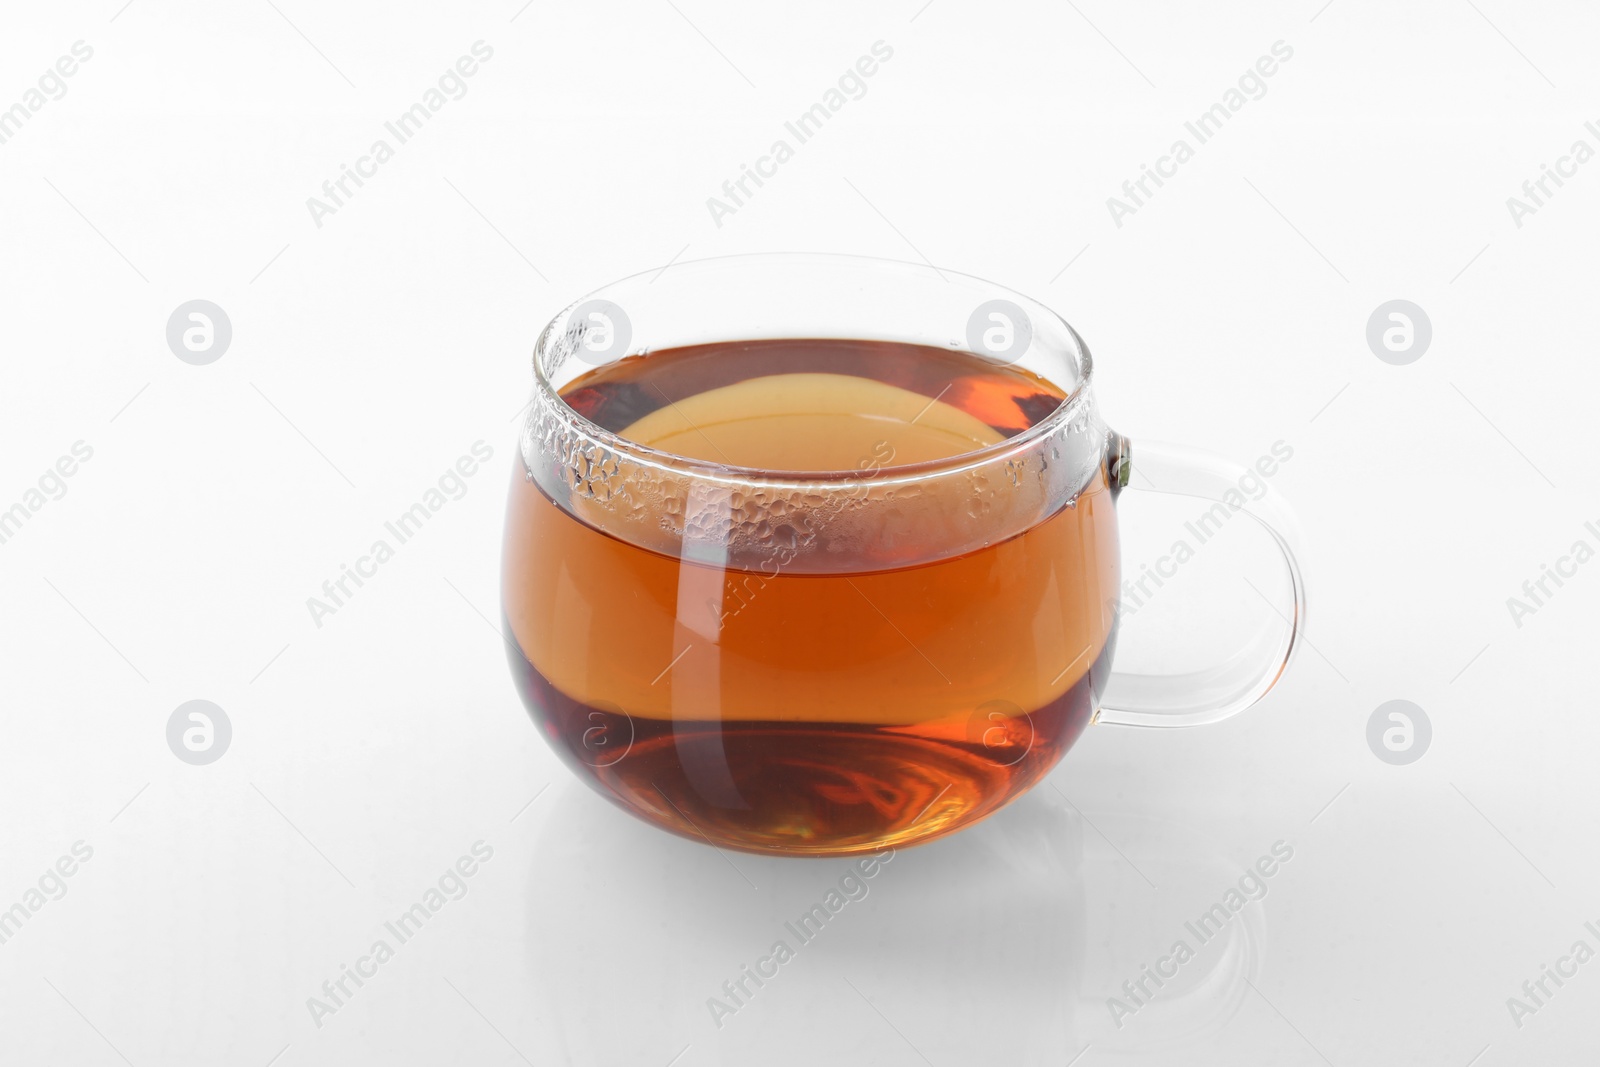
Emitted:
pixel 368 354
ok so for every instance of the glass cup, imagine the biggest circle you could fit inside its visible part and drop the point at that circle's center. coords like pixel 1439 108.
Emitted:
pixel 832 661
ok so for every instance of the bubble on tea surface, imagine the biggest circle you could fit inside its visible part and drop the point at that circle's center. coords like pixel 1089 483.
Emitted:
pixel 600 331
pixel 1399 732
pixel 199 332
pixel 1399 332
pixel 999 330
pixel 199 732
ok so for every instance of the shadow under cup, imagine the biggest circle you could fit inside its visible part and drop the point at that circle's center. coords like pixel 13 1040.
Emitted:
pixel 874 650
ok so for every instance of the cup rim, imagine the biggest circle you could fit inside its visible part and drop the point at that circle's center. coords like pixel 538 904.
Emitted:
pixel 1071 407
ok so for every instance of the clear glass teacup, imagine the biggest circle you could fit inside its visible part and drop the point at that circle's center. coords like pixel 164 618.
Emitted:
pixel 812 554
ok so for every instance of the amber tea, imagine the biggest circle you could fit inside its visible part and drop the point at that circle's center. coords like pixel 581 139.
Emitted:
pixel 804 670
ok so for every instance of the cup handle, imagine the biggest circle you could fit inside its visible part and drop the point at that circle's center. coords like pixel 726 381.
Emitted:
pixel 1209 695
